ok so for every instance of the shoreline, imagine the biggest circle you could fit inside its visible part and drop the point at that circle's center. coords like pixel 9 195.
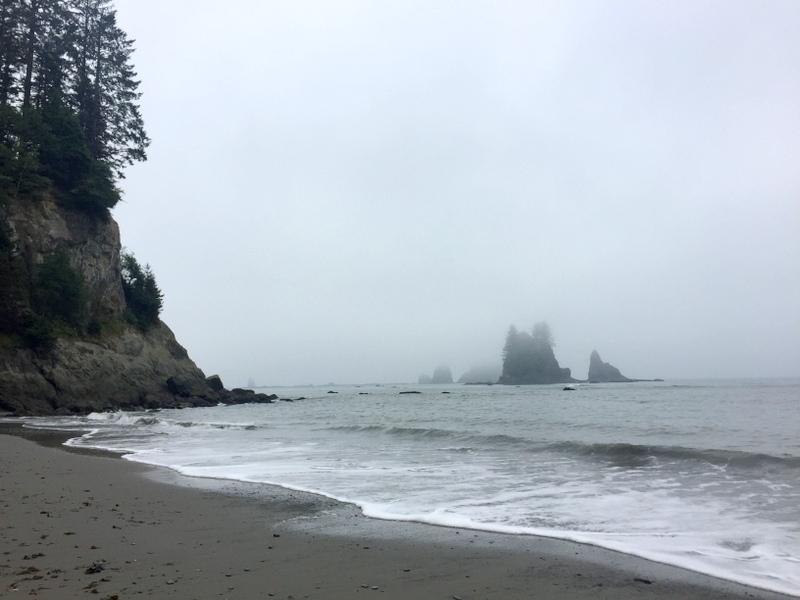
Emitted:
pixel 75 521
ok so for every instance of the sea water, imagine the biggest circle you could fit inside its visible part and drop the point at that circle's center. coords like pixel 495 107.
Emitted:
pixel 703 475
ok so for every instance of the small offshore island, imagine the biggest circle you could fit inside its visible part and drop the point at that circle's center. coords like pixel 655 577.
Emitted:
pixel 529 359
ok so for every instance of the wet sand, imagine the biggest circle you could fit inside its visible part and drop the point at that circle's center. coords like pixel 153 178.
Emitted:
pixel 91 525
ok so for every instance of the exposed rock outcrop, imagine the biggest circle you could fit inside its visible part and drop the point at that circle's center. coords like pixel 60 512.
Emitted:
pixel 600 372
pixel 215 383
pixel 133 369
pixel 442 374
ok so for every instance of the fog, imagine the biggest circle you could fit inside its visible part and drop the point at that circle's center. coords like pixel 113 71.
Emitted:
pixel 358 192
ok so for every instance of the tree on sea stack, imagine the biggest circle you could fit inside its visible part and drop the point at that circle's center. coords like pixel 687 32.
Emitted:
pixel 541 332
pixel 529 358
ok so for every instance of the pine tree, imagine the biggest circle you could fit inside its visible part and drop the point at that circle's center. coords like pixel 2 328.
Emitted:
pixel 542 333
pixel 142 295
pixel 511 339
pixel 53 68
pixel 10 48
pixel 44 46
pixel 105 91
pixel 65 63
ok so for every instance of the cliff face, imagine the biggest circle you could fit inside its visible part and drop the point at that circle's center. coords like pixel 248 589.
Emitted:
pixel 38 229
pixel 124 369
pixel 600 372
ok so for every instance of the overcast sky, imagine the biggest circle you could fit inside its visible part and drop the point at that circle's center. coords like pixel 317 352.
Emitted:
pixel 356 192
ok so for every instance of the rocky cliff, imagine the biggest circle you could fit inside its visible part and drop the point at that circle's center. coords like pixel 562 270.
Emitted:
pixel 600 372
pixel 130 370
pixel 39 228
pixel 118 366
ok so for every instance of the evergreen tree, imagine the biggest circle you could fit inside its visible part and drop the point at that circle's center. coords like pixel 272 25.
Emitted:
pixel 105 92
pixel 511 338
pixel 45 41
pixel 10 47
pixel 59 292
pixel 541 332
pixel 13 285
pixel 53 66
pixel 66 62
pixel 142 294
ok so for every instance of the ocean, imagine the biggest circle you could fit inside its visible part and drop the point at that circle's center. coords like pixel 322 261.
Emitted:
pixel 703 475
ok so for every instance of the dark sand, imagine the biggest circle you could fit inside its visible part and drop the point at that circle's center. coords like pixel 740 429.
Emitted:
pixel 84 525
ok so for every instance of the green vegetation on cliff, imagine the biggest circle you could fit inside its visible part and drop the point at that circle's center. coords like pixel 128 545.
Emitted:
pixel 50 299
pixel 50 302
pixel 58 300
pixel 14 289
pixel 142 295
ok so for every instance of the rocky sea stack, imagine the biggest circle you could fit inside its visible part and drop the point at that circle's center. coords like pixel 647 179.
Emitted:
pixel 600 372
pixel 528 358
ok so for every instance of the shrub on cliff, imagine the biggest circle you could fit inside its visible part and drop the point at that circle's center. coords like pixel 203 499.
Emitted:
pixel 142 295
pixel 52 305
pixel 13 285
pixel 59 293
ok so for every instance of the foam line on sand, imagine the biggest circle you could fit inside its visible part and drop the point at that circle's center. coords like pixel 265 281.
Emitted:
pixel 73 524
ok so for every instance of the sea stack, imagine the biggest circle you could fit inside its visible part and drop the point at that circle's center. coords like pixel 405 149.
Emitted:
pixel 600 372
pixel 442 374
pixel 528 358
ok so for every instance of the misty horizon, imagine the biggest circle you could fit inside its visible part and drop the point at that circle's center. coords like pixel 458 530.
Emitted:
pixel 358 192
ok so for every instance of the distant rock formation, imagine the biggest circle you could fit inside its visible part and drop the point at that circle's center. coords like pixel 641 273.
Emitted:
pixel 442 374
pixel 530 359
pixel 600 372
pixel 482 374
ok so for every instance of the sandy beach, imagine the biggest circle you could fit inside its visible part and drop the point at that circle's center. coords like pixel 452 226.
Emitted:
pixel 83 525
